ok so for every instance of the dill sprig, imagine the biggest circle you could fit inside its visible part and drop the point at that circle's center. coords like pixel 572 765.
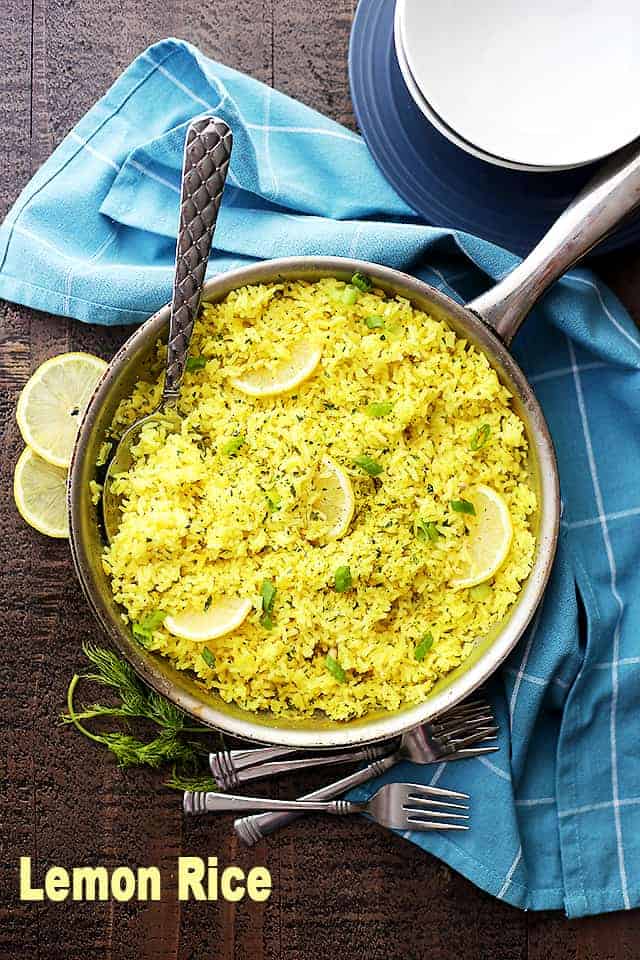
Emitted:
pixel 135 700
pixel 180 782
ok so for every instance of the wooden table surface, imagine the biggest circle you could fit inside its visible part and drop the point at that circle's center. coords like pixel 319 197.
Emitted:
pixel 341 888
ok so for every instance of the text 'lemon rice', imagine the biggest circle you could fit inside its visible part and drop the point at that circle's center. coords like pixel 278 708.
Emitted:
pixel 369 620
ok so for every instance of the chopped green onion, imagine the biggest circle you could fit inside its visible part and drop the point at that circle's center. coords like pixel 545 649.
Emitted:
pixel 335 669
pixel 268 594
pixel 368 464
pixel 423 647
pixel 232 446
pixel 482 591
pixel 143 629
pixel 207 604
pixel 208 657
pixel 196 363
pixel 463 506
pixel 480 437
pixel 350 295
pixel 362 282
pixel 374 323
pixel 379 409
pixel 426 530
pixel 274 501
pixel 154 620
pixel 342 579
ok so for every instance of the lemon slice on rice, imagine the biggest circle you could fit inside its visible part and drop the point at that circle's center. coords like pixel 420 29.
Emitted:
pixel 40 492
pixel 221 618
pixel 282 376
pixel 490 536
pixel 330 502
pixel 52 403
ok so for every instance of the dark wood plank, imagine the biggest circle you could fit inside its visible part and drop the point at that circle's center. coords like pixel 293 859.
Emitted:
pixel 24 637
pixel 310 46
pixel 612 937
pixel 339 888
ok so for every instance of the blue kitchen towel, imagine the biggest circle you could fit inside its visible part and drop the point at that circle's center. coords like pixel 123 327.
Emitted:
pixel 556 813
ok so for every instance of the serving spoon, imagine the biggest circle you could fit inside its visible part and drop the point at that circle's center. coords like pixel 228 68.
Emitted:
pixel 207 151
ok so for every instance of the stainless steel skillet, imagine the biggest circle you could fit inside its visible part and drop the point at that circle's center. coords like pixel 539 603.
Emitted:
pixel 490 322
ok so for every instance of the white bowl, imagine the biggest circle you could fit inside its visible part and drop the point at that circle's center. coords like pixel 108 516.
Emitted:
pixel 539 86
pixel 438 122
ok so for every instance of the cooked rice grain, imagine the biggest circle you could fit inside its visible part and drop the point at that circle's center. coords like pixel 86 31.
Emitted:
pixel 199 523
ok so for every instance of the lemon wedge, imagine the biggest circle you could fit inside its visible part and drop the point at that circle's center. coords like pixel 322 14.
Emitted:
pixel 221 618
pixel 330 502
pixel 490 535
pixel 52 403
pixel 283 375
pixel 40 492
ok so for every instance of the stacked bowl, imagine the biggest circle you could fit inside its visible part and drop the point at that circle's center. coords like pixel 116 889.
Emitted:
pixel 489 116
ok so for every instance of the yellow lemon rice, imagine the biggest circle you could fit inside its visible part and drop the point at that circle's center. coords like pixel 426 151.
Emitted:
pixel 216 509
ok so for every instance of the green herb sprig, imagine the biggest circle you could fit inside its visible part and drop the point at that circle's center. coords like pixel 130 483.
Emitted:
pixel 368 464
pixel 335 669
pixel 362 282
pixel 342 579
pixel 231 447
pixel 374 323
pixel 196 363
pixel 463 506
pixel 350 295
pixel 143 629
pixel 274 501
pixel 268 594
pixel 480 437
pixel 380 408
pixel 208 657
pixel 169 746
pixel 423 647
pixel 426 530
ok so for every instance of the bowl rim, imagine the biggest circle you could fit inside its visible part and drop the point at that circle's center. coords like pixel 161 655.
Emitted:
pixel 387 725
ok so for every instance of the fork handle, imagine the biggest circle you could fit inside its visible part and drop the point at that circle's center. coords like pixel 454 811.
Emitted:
pixel 263 770
pixel 252 829
pixel 200 802
pixel 253 756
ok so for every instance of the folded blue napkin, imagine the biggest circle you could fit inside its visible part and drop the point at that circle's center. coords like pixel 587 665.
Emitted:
pixel 556 813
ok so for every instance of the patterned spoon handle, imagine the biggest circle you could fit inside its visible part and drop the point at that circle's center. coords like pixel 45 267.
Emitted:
pixel 207 152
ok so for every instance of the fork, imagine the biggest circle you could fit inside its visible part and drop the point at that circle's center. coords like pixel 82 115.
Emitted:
pixel 453 732
pixel 399 806
pixel 230 772
pixel 453 736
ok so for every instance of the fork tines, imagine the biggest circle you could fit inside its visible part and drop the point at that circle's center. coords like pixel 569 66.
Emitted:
pixel 475 710
pixel 423 812
pixel 464 726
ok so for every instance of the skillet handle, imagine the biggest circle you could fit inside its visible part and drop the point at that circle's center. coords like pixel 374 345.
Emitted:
pixel 612 194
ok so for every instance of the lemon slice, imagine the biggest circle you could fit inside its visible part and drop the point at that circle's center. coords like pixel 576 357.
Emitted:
pixel 330 502
pixel 52 403
pixel 221 618
pixel 282 376
pixel 40 492
pixel 490 535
